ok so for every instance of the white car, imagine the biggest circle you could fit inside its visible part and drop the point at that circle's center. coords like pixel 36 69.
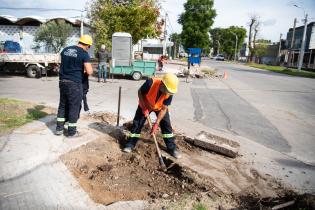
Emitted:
pixel 183 54
pixel 219 57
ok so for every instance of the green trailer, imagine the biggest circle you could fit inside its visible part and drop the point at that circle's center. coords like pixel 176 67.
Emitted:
pixel 138 69
pixel 122 62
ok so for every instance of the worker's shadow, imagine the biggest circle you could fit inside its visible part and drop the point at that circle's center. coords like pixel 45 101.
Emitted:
pixel 38 113
pixel 120 133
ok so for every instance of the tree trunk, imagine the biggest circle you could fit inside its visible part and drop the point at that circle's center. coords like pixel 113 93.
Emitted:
pixel 250 39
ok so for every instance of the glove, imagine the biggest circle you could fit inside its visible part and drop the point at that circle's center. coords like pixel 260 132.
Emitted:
pixel 144 109
pixel 145 112
pixel 154 128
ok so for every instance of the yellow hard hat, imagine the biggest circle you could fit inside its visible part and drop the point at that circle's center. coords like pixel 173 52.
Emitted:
pixel 86 39
pixel 171 82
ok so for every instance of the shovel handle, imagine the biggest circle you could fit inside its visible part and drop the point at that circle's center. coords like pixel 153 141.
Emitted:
pixel 155 141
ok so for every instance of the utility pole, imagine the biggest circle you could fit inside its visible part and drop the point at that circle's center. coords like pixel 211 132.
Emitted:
pixel 279 52
pixel 164 43
pixel 218 50
pixel 301 57
pixel 81 28
pixel 236 41
pixel 292 43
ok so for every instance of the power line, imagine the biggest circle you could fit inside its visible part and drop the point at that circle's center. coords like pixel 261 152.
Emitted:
pixel 170 25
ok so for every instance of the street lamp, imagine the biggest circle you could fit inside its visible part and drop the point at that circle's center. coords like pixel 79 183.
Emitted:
pixel 236 41
pixel 301 57
pixel 279 51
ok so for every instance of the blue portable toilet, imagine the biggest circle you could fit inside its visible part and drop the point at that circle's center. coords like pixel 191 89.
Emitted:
pixel 194 55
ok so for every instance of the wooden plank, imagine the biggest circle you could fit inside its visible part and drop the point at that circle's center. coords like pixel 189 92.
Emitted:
pixel 216 144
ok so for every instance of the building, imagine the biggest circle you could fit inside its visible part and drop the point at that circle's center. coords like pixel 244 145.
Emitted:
pixel 309 54
pixel 152 49
pixel 23 30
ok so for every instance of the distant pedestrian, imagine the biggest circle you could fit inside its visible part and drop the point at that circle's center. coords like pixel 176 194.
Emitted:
pixel 161 60
pixel 103 59
pixel 75 63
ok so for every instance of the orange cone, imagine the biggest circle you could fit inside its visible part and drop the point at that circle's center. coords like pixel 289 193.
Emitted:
pixel 225 75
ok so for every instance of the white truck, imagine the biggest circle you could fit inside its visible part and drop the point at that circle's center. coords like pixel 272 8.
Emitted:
pixel 34 65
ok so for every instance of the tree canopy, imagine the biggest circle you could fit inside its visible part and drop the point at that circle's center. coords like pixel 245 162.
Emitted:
pixel 196 22
pixel 137 17
pixel 53 35
pixel 223 39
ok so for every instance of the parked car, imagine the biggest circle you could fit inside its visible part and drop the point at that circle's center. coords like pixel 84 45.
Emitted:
pixel 183 55
pixel 219 57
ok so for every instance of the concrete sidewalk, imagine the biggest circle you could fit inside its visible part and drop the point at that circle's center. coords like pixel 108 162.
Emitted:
pixel 33 177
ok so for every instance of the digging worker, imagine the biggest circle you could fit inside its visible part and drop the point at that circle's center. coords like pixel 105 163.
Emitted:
pixel 155 95
pixel 75 63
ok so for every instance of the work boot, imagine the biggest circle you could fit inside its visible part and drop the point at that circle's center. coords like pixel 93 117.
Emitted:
pixel 128 148
pixel 175 153
pixel 59 132
pixel 59 128
pixel 76 134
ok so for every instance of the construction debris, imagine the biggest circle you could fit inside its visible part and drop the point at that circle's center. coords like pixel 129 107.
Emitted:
pixel 216 144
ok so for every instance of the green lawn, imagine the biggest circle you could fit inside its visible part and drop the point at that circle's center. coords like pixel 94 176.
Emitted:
pixel 283 70
pixel 15 113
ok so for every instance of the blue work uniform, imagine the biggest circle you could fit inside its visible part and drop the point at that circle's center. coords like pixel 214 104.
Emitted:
pixel 71 77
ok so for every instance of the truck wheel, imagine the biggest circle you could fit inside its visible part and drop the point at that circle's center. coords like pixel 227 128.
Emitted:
pixel 32 71
pixel 136 75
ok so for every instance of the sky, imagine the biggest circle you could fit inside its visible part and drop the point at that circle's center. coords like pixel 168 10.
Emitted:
pixel 277 16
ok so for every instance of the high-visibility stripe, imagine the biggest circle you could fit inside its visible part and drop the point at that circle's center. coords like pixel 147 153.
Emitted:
pixel 168 135
pixel 61 119
pixel 133 135
pixel 72 125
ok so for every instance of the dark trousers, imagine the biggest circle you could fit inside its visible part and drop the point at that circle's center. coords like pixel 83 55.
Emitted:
pixel 102 71
pixel 71 94
pixel 165 125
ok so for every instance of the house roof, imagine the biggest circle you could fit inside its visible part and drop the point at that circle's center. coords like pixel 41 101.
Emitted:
pixel 37 20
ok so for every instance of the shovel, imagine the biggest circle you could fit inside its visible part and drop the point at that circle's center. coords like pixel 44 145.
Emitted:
pixel 162 164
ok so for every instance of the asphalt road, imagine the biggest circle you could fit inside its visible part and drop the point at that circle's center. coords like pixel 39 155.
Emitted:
pixel 275 110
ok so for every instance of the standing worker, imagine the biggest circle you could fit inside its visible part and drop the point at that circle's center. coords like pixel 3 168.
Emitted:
pixel 75 62
pixel 155 95
pixel 102 66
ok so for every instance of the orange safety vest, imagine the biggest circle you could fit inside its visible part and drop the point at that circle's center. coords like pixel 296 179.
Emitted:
pixel 152 94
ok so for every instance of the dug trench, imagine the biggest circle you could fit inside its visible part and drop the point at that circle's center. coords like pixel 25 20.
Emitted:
pixel 108 175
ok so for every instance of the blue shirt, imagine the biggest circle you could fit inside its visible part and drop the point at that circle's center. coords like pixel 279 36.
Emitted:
pixel 72 63
pixel 146 87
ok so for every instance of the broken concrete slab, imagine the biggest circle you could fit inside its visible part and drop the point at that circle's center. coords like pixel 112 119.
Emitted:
pixel 215 143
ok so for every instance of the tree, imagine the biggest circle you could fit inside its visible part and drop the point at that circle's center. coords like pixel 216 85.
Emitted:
pixel 254 24
pixel 263 41
pixel 223 39
pixel 137 17
pixel 53 35
pixel 260 51
pixel 196 22
pixel 175 38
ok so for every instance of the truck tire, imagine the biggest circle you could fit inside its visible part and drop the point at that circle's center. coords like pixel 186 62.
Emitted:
pixel 136 75
pixel 32 71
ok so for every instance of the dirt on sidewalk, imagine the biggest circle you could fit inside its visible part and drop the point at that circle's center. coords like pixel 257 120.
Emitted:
pixel 108 175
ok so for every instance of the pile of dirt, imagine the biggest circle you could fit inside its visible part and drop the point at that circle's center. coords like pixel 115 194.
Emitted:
pixel 108 175
pixel 107 117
